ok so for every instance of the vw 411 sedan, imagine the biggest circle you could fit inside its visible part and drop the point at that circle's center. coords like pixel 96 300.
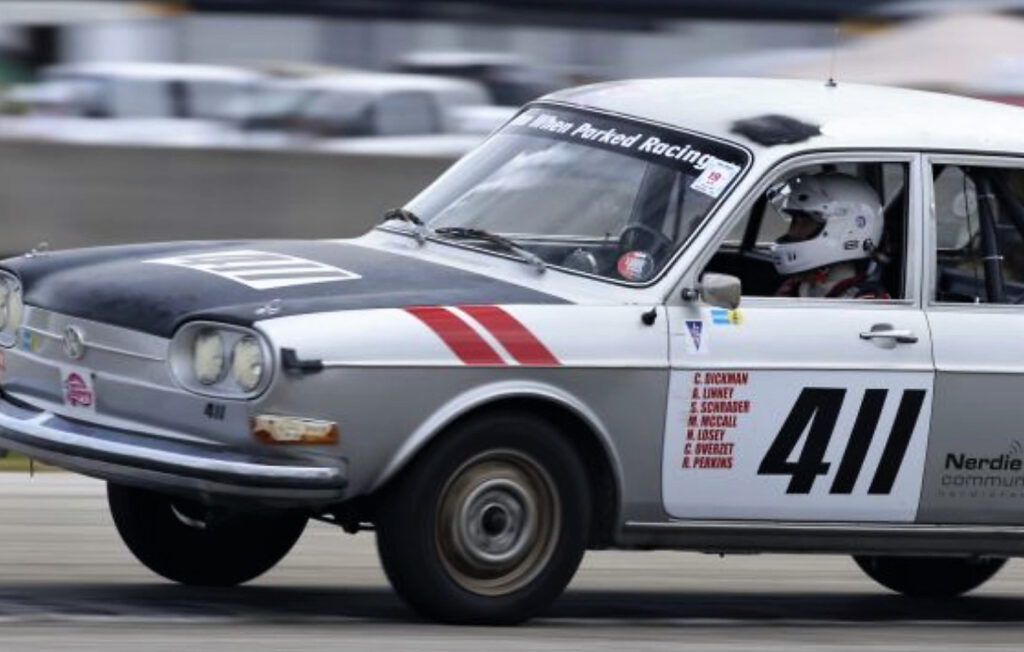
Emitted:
pixel 712 315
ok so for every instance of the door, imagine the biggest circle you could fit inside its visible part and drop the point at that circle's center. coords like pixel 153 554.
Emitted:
pixel 799 408
pixel 975 465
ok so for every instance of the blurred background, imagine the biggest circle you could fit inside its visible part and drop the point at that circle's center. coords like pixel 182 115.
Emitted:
pixel 127 121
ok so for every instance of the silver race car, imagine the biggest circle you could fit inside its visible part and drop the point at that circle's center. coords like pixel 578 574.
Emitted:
pixel 546 351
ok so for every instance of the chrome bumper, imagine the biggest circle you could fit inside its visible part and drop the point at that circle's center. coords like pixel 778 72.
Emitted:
pixel 176 467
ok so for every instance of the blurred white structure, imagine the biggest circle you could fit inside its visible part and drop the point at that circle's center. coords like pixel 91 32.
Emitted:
pixel 118 102
pixel 977 54
pixel 95 30
pixel 196 105
pixel 149 90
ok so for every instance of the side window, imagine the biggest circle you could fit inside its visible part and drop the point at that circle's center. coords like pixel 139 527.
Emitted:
pixel 835 230
pixel 979 238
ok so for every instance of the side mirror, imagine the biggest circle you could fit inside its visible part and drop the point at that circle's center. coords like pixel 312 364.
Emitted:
pixel 720 290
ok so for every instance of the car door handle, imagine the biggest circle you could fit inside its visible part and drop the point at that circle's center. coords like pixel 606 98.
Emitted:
pixel 900 336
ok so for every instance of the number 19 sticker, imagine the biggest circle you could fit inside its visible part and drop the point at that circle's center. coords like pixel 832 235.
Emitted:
pixel 715 177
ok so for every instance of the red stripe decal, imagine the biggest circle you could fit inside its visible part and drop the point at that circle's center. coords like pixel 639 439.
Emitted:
pixel 516 338
pixel 464 342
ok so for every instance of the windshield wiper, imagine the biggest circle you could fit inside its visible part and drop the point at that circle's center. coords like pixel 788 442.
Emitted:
pixel 420 229
pixel 500 241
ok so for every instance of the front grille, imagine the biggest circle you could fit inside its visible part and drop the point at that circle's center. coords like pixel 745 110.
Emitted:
pixel 108 349
pixel 132 385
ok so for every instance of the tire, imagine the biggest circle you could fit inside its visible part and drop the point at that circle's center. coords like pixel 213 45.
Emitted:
pixel 489 524
pixel 190 543
pixel 930 577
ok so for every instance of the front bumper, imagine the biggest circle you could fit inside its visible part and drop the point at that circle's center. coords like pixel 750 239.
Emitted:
pixel 195 470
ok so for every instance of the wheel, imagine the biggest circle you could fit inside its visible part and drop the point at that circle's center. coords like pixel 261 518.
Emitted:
pixel 489 524
pixel 930 577
pixel 191 543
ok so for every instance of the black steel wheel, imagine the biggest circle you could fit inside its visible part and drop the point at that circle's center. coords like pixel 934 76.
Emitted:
pixel 191 543
pixel 930 577
pixel 489 524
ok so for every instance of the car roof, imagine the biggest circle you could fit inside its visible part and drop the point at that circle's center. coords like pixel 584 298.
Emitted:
pixel 847 115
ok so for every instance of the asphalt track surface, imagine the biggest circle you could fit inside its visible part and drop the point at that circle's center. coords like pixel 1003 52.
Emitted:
pixel 67 583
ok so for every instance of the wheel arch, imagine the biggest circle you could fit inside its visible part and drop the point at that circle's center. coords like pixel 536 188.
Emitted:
pixel 580 424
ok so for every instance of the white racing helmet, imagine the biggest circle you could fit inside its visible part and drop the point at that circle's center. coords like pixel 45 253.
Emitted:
pixel 846 208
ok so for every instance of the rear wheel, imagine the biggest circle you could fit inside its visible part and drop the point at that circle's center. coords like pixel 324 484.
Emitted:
pixel 490 524
pixel 191 543
pixel 930 577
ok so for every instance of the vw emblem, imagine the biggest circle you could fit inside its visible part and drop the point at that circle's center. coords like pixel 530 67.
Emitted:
pixel 74 346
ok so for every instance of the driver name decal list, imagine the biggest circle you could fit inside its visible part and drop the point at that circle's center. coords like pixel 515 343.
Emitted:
pixel 716 407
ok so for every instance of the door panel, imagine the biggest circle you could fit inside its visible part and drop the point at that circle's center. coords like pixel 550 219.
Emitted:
pixel 975 464
pixel 781 410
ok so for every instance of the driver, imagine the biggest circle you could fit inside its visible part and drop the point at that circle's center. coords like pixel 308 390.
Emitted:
pixel 835 224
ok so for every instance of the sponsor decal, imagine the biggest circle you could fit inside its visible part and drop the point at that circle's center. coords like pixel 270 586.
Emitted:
pixel 460 335
pixel 717 402
pixel 635 265
pixel 715 177
pixel 78 389
pixel 970 475
pixel 28 341
pixel 259 270
pixel 696 342
pixel 636 142
pixel 723 317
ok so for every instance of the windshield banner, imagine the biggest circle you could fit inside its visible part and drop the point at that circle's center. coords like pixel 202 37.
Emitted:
pixel 713 162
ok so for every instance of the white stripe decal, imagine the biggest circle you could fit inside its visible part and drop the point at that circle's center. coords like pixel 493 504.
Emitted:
pixel 260 270
pixel 485 334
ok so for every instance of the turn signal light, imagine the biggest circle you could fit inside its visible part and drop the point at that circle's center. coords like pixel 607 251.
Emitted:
pixel 275 429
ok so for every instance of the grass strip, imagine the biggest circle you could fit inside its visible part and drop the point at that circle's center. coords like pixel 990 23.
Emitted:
pixel 16 462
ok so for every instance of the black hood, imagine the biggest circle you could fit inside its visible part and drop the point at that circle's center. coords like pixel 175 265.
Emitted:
pixel 123 285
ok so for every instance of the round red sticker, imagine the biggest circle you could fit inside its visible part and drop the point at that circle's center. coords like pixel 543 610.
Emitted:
pixel 635 265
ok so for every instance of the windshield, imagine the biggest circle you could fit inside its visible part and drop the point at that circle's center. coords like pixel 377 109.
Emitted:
pixel 583 191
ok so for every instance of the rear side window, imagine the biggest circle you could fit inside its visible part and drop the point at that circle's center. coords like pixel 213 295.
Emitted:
pixel 979 234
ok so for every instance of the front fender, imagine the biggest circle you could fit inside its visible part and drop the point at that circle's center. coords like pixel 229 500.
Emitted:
pixel 491 393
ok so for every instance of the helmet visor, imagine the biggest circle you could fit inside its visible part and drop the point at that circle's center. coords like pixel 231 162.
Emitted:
pixel 803 226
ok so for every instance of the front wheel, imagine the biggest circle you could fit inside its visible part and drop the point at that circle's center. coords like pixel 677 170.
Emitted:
pixel 930 577
pixel 489 525
pixel 191 543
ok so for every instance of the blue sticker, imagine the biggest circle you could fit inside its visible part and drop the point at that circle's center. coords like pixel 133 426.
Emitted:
pixel 723 317
pixel 29 341
pixel 696 329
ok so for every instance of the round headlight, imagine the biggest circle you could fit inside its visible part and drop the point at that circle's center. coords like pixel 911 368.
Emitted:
pixel 208 356
pixel 247 363
pixel 15 310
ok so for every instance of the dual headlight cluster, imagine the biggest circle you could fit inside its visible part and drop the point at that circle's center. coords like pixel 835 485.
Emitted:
pixel 12 308
pixel 220 360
